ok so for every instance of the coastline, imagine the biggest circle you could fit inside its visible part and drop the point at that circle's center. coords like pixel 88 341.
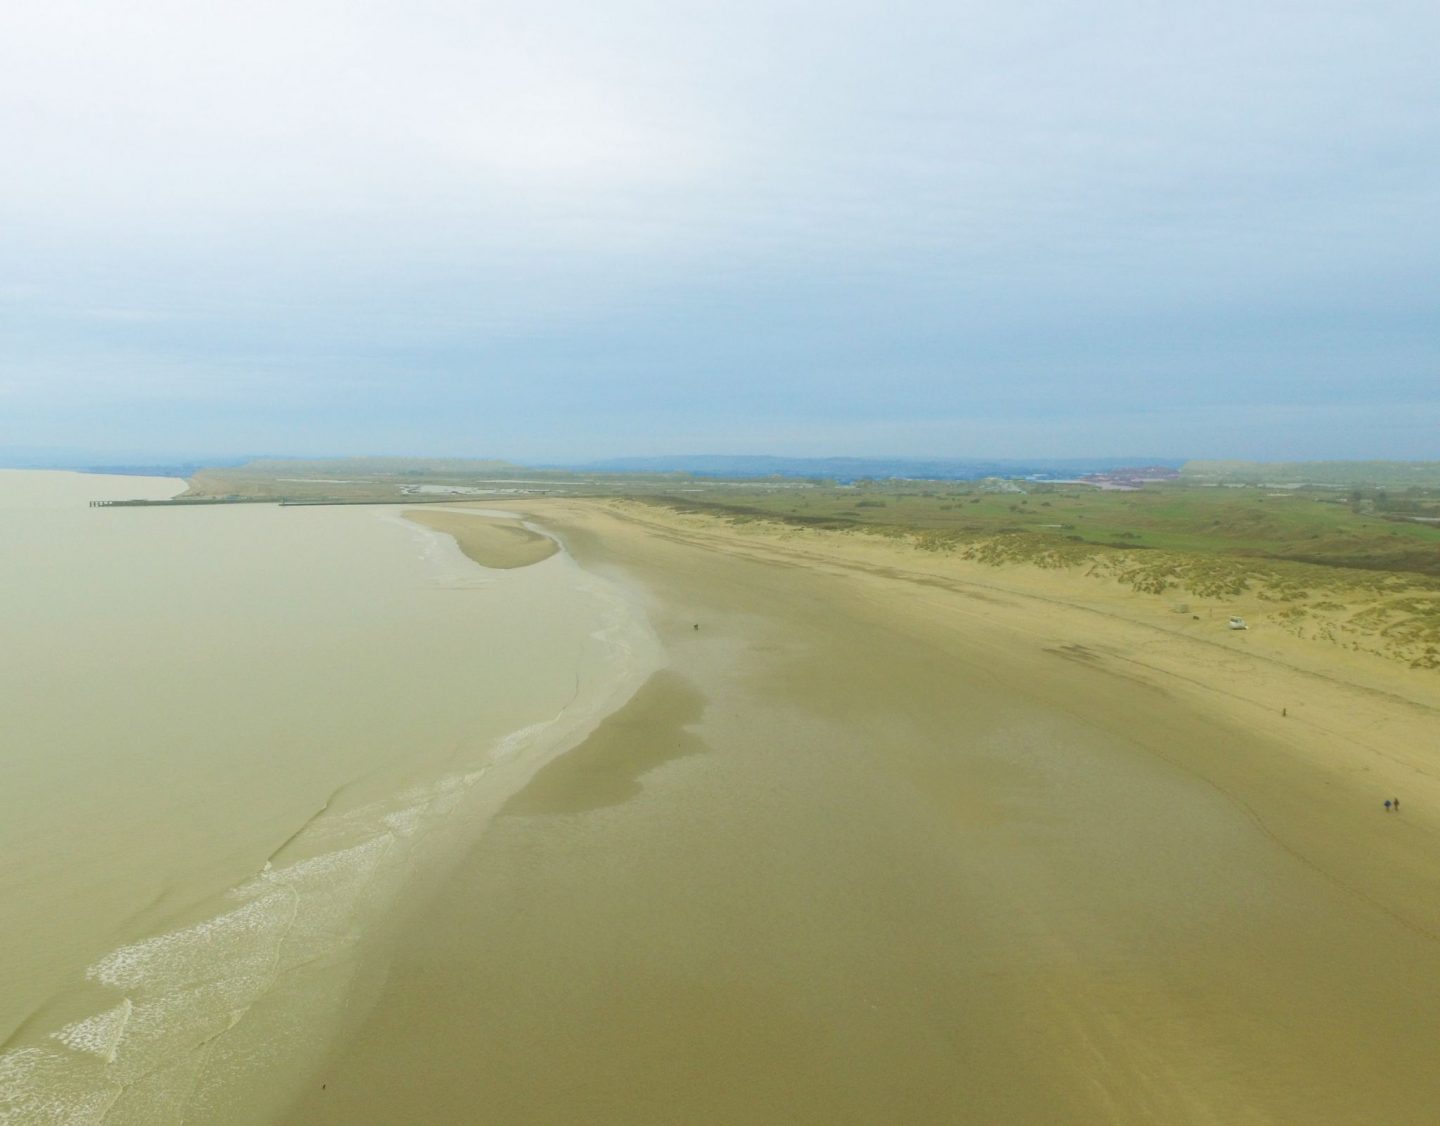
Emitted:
pixel 882 843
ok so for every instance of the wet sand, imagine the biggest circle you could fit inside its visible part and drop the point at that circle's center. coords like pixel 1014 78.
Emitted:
pixel 882 844
pixel 497 544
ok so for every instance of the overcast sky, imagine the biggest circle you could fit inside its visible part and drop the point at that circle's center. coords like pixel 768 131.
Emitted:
pixel 562 229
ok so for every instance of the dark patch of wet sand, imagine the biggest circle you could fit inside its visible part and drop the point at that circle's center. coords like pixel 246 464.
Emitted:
pixel 607 769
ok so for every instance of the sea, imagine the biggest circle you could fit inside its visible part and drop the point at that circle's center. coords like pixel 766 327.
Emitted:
pixel 239 745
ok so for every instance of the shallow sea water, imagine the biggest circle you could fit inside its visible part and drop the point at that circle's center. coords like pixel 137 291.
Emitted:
pixel 238 742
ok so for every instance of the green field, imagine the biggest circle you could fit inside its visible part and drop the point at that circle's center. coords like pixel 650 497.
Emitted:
pixel 383 479
pixel 1342 474
pixel 1325 527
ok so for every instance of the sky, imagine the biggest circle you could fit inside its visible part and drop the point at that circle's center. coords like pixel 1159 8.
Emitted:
pixel 570 229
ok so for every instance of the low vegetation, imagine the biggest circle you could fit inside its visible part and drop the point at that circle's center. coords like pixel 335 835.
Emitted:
pixel 1385 474
pixel 1356 529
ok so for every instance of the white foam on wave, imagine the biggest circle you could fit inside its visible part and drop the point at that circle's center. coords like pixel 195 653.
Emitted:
pixel 141 1059
pixel 189 955
pixel 517 741
pixel 405 822
pixel 40 1086
pixel 449 567
pixel 99 1035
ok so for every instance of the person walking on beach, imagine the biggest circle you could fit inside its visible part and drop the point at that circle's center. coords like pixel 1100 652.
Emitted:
pixel 1387 805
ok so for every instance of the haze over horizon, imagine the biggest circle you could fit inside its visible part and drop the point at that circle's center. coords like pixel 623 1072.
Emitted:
pixel 561 232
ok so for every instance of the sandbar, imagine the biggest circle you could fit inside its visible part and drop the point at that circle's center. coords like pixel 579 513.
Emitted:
pixel 499 544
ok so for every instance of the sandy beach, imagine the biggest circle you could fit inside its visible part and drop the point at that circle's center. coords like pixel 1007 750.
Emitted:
pixel 892 839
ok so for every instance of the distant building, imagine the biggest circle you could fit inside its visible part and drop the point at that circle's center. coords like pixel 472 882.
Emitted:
pixel 1131 478
pixel 998 485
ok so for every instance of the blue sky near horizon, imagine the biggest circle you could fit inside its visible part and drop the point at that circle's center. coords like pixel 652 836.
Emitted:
pixel 560 231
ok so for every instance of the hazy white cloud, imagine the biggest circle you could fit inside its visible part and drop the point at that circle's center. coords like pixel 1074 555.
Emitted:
pixel 855 217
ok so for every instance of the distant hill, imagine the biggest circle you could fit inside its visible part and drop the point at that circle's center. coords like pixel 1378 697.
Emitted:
pixel 110 462
pixel 1340 474
pixel 847 469
pixel 377 466
pixel 178 469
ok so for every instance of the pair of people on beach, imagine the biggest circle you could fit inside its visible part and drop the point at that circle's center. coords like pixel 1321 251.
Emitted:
pixel 1392 803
